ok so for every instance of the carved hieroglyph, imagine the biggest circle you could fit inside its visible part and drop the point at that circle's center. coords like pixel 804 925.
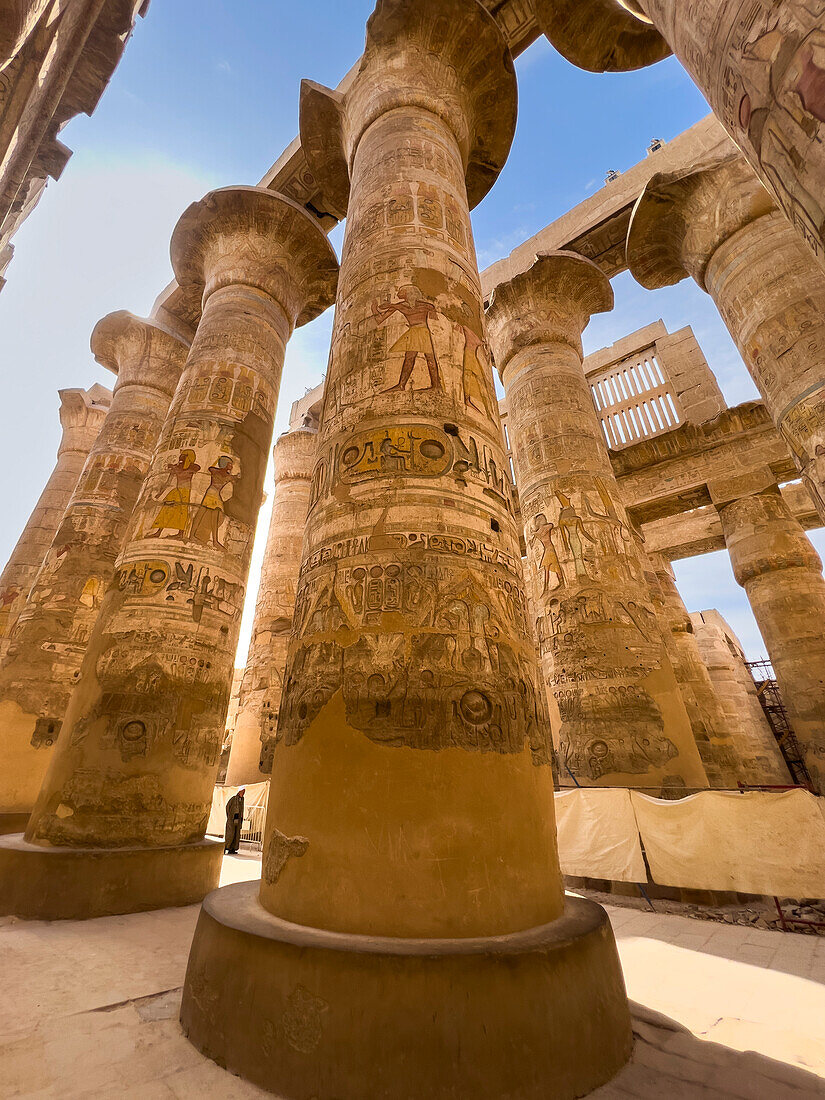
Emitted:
pixel 781 573
pixel 253 740
pixel 614 698
pixel 732 750
pixel 716 223
pixel 46 648
pixel 410 725
pixel 136 761
pixel 81 417
pixel 760 64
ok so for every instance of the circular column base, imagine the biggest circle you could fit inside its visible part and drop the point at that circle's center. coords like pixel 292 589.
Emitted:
pixel 78 883
pixel 13 823
pixel 535 1014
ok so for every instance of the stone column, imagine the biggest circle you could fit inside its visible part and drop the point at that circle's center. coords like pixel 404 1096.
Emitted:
pixel 614 697
pixel 731 753
pixel 781 573
pixel 754 740
pixel 44 656
pixel 253 740
pixel 410 874
pixel 81 415
pixel 760 65
pixel 716 223
pixel 120 819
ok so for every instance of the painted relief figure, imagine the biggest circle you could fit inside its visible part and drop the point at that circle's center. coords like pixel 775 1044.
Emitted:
pixel 209 517
pixel 572 532
pixel 549 564
pixel 173 515
pixel 474 369
pixel 417 340
pixel 7 598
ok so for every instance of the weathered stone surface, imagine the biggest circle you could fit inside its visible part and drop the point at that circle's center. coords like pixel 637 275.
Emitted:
pixel 760 65
pixel 253 740
pixel 136 762
pixel 81 417
pixel 782 575
pixel 717 223
pixel 616 708
pixel 46 649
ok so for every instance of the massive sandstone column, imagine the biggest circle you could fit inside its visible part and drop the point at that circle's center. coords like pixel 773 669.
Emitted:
pixel 44 656
pixel 781 573
pixel 410 937
pixel 618 710
pixel 716 223
pixel 120 819
pixel 731 752
pixel 81 415
pixel 253 740
pixel 759 63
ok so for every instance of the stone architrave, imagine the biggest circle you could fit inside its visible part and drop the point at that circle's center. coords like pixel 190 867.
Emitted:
pixel 409 873
pixel 759 63
pixel 45 652
pixel 617 710
pixel 253 739
pixel 781 573
pixel 716 223
pixel 81 416
pixel 732 752
pixel 120 819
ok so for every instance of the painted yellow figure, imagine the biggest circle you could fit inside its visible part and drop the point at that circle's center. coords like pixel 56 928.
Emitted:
pixel 572 532
pixel 549 564
pixel 174 511
pixel 417 340
pixel 209 517
pixel 474 371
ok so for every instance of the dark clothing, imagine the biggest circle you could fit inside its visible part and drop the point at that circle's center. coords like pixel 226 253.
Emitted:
pixel 234 823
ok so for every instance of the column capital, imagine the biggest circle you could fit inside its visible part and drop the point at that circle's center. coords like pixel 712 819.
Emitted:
pixel 681 218
pixel 81 416
pixel 602 36
pixel 253 237
pixel 139 351
pixel 294 454
pixel 447 57
pixel 763 536
pixel 17 20
pixel 551 302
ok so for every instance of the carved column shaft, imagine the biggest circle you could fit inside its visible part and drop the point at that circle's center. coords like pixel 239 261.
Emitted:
pixel 81 415
pixel 781 573
pixel 618 711
pixel 716 223
pixel 44 656
pixel 732 752
pixel 772 298
pixel 136 761
pixel 253 740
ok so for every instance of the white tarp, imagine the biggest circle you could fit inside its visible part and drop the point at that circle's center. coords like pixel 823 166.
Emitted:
pixel 256 795
pixel 758 842
pixel 598 837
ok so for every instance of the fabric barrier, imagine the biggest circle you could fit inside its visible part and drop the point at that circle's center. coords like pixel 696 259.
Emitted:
pixel 598 837
pixel 256 795
pixel 758 842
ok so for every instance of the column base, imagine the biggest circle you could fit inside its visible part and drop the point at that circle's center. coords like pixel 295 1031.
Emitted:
pixel 77 883
pixel 13 823
pixel 532 1014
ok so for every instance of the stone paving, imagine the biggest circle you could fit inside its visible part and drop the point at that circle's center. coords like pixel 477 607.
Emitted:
pixel 90 1009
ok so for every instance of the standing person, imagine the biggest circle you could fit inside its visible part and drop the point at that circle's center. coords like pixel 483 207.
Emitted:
pixel 234 821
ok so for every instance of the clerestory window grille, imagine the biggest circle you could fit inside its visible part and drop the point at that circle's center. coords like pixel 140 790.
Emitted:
pixel 634 400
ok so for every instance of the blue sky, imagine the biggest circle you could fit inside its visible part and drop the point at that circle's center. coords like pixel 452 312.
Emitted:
pixel 207 96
